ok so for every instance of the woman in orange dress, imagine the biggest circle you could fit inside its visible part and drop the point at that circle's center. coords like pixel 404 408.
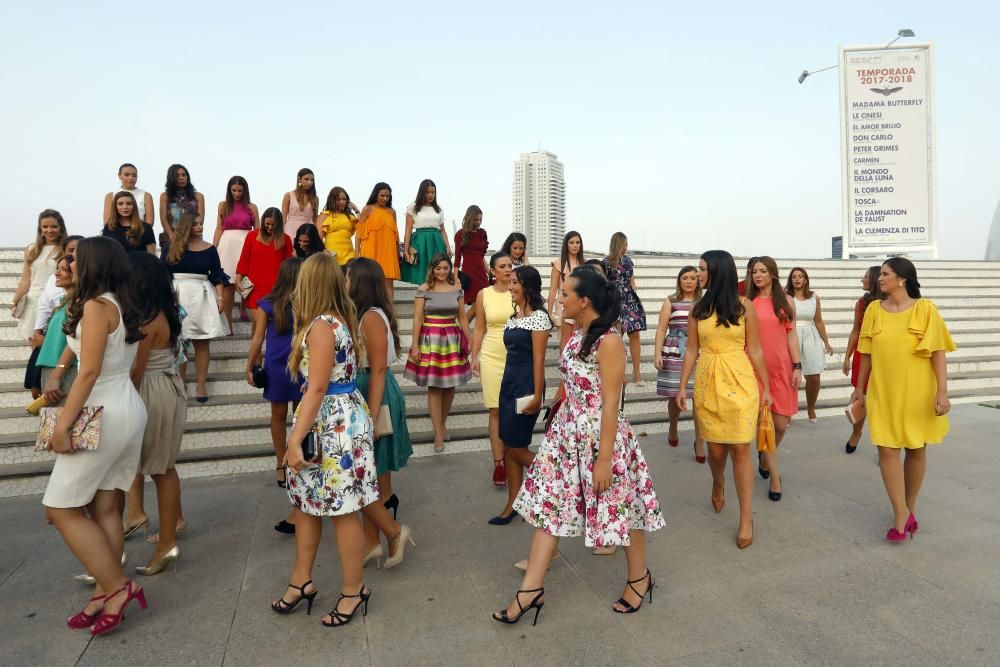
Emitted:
pixel 377 237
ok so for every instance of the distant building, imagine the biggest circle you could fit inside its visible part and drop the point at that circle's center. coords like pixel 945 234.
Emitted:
pixel 539 198
pixel 993 240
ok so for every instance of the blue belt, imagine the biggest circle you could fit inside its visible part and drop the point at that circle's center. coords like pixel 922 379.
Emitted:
pixel 335 388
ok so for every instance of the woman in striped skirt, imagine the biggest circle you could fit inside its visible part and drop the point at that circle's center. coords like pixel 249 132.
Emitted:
pixel 669 347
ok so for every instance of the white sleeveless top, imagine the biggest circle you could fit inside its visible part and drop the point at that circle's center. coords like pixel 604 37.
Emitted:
pixel 426 217
pixel 140 199
pixel 390 339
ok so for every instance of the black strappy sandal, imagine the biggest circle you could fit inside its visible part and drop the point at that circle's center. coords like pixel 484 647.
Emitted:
pixel 283 606
pixel 629 609
pixel 338 618
pixel 535 604
pixel 283 483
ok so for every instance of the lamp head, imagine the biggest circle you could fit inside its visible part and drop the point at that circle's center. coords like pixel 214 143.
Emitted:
pixel 802 77
pixel 906 32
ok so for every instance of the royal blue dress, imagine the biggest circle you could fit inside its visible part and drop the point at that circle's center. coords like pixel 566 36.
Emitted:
pixel 277 348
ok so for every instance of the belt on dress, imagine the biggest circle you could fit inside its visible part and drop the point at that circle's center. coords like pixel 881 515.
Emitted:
pixel 335 388
pixel 191 276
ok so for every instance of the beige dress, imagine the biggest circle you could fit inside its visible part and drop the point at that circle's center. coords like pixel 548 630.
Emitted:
pixel 43 267
pixel 166 406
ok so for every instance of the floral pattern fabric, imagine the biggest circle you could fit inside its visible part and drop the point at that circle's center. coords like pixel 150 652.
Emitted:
pixel 345 480
pixel 633 315
pixel 558 493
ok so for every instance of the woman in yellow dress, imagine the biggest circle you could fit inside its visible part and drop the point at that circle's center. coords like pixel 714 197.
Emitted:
pixel 378 237
pixel 903 343
pixel 337 224
pixel 723 327
pixel 494 306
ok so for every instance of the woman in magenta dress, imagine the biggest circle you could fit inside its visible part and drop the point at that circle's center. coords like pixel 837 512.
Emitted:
pixel 780 342
pixel 237 217
pixel 263 252
pixel 470 256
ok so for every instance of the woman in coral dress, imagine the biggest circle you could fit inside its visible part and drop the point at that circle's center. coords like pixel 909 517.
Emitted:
pixel 264 250
pixel 903 343
pixel 377 237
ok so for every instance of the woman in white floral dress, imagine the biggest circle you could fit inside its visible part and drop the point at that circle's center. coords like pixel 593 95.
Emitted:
pixel 343 480
pixel 589 477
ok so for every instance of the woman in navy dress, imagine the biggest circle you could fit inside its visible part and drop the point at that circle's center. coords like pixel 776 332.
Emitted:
pixel 526 336
pixel 620 270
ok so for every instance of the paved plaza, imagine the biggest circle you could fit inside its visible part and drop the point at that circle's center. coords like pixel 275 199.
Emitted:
pixel 819 586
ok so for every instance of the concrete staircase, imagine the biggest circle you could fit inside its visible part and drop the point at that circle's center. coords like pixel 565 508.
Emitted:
pixel 230 433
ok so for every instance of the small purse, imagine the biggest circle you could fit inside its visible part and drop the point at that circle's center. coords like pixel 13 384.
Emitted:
pixel 464 280
pixel 383 422
pixel 35 407
pixel 311 450
pixel 520 404
pixel 84 435
pixel 245 287
pixel 20 307
pixel 259 377
pixel 765 430
pixel 856 412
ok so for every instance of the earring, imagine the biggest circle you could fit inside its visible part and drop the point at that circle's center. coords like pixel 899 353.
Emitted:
pixel 899 285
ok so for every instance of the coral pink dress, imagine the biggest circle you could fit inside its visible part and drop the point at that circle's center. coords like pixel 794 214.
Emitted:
pixel 774 341
pixel 260 263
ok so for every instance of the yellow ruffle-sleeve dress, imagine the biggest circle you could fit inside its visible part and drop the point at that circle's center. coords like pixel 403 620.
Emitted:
pixel 726 397
pixel 902 384
pixel 339 229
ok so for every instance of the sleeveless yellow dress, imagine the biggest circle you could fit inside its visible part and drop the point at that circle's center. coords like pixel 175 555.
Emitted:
pixel 339 229
pixel 380 240
pixel 902 384
pixel 499 307
pixel 726 398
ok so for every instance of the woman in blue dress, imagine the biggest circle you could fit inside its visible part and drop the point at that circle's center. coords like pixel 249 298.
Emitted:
pixel 620 271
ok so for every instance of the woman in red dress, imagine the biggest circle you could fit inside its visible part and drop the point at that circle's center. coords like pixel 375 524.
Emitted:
pixel 470 255
pixel 263 252
pixel 852 358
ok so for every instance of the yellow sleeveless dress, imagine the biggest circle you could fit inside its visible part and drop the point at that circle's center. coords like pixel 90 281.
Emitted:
pixel 499 307
pixel 726 398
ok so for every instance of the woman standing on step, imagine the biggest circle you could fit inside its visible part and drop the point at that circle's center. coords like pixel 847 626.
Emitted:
pixel 812 334
pixel 570 257
pixel 470 256
pixel 852 358
pixel 723 328
pixel 669 346
pixel 780 341
pixel 589 477
pixel 341 480
pixel 439 349
pixel 103 325
pixel 237 217
pixel 376 382
pixel 155 375
pixel 516 246
pixel 308 242
pixel 125 226
pixel 522 389
pixel 300 206
pixel 903 343
pixel 424 236
pixel 40 260
pixel 494 306
pixel 378 237
pixel 48 324
pixel 337 223
pixel 179 197
pixel 199 281
pixel 618 265
pixel 263 252
pixel 128 177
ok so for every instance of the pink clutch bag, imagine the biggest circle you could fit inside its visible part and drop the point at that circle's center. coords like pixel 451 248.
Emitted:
pixel 84 435
pixel 855 411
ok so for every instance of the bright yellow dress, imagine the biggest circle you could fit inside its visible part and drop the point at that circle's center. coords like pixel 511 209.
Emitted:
pixel 499 307
pixel 380 240
pixel 726 399
pixel 339 229
pixel 902 384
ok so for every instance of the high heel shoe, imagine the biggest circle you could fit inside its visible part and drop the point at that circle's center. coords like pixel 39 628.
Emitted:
pixel 129 531
pixel 161 563
pixel 535 604
pixel 721 502
pixel 404 536
pixel 375 553
pixel 502 520
pixel 699 459
pixel 285 527
pixel 764 474
pixel 88 580
pixel 848 448
pixel 107 622
pixel 896 536
pixel 629 609
pixel 499 473
pixel 672 441
pixel 911 525
pixel 338 618
pixel 774 495
pixel 283 606
pixel 83 620
pixel 283 483
pixel 744 542
pixel 392 504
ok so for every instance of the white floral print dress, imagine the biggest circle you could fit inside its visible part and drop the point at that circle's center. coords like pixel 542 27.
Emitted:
pixel 344 481
pixel 558 493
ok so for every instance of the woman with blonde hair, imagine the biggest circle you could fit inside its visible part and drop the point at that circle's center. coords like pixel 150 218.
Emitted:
pixel 40 259
pixel 124 225
pixel 333 421
pixel 470 256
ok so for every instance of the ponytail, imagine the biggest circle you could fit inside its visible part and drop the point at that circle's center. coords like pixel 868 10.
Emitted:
pixel 605 300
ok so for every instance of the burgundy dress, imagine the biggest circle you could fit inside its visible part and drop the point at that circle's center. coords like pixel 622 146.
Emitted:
pixel 469 259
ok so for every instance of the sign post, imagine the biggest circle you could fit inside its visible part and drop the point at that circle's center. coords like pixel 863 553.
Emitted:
pixel 888 150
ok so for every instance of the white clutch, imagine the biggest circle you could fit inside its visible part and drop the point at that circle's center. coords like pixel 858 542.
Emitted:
pixel 383 422
pixel 521 404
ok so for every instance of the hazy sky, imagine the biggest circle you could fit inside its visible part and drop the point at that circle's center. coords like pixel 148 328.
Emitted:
pixel 680 124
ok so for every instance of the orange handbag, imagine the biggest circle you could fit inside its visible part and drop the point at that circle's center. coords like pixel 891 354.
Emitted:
pixel 765 430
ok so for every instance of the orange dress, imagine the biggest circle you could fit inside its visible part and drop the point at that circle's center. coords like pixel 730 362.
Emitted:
pixel 380 240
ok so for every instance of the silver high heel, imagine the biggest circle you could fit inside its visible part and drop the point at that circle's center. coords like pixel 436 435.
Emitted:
pixel 401 540
pixel 88 580
pixel 161 563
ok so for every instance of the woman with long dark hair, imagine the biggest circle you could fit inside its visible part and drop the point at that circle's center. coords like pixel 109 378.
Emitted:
pixel 103 325
pixel 124 225
pixel 589 477
pixel 570 257
pixel 852 357
pixel 438 356
pixel 470 256
pixel 424 235
pixel 237 217
pixel 522 388
pixel 903 343
pixel 378 330
pixel 128 177
pixel 308 242
pixel 723 328
pixel 378 237
pixel 300 206
pixel 179 197
pixel 621 271
pixel 813 341
pixel 515 246
pixel 40 260
pixel 49 336
pixel 264 250
pixel 337 223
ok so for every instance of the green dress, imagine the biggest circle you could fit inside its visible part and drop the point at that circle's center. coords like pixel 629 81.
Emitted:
pixel 426 239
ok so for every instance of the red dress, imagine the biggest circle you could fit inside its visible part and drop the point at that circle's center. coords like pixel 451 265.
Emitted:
pixel 774 341
pixel 469 258
pixel 859 313
pixel 260 263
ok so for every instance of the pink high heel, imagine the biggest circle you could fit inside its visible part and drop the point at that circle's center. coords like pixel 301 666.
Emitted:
pixel 83 620
pixel 108 622
pixel 911 525
pixel 895 536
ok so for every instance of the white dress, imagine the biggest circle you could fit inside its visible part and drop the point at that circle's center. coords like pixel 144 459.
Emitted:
pixel 811 351
pixel 78 476
pixel 43 267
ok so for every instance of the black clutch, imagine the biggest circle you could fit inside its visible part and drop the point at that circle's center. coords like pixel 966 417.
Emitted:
pixel 311 451
pixel 464 280
pixel 259 377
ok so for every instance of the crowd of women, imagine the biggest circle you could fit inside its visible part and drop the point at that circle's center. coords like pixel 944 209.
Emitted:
pixel 112 328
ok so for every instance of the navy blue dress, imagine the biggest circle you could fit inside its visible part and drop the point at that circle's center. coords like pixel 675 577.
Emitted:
pixel 519 377
pixel 277 348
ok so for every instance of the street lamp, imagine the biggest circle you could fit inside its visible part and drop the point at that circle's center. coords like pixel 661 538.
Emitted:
pixel 903 32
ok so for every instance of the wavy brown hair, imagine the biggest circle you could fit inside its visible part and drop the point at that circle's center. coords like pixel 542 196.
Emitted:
pixel 280 295
pixel 102 266
pixel 230 201
pixel 790 288
pixel 182 235
pixel 309 196
pixel 679 291
pixel 469 222
pixel 367 290
pixel 35 249
pixel 779 300
pixel 133 222
pixel 435 260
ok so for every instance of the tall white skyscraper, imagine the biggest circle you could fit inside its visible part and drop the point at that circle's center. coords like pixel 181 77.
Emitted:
pixel 540 201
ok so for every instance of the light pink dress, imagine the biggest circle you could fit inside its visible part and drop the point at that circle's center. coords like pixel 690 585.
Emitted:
pixel 298 216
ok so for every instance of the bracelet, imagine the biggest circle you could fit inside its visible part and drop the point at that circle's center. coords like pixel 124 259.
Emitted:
pixel 797 365
pixel 63 366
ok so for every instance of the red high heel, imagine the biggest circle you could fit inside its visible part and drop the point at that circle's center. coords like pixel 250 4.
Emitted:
pixel 499 473
pixel 108 622
pixel 895 536
pixel 699 459
pixel 83 620
pixel 672 441
pixel 911 525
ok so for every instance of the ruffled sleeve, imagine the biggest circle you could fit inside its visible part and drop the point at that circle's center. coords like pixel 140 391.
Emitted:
pixel 216 275
pixel 928 326
pixel 871 326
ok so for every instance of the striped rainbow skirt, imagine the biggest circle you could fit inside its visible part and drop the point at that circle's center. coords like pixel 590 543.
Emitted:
pixel 443 357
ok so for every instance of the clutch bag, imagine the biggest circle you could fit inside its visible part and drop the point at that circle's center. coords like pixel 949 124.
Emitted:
pixel 35 407
pixel 245 287
pixel 383 422
pixel 83 436
pixel 20 307
pixel 856 411
pixel 311 450
pixel 259 377
pixel 521 404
